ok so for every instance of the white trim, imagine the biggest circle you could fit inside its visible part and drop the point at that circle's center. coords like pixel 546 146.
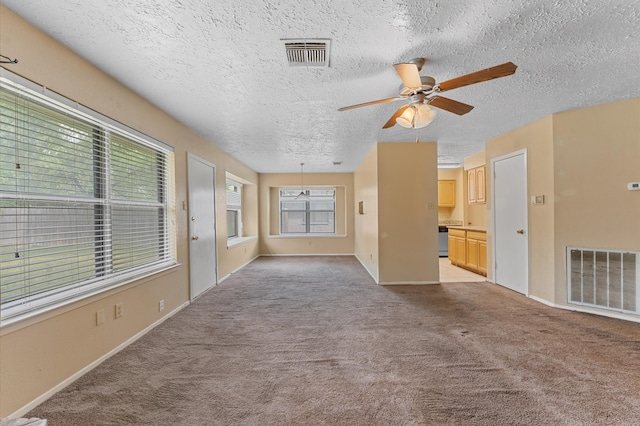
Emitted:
pixel 609 314
pixel 491 267
pixel 543 301
pixel 66 382
pixel 193 157
pixel 236 270
pixel 409 283
pixel 14 315
pixel 305 254
pixel 367 269
pixel 315 235
pixel 236 241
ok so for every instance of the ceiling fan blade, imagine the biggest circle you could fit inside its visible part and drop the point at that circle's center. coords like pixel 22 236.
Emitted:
pixel 392 120
pixel 450 105
pixel 479 76
pixel 380 101
pixel 409 74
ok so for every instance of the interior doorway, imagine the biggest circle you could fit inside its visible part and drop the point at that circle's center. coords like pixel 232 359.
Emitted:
pixel 203 260
pixel 510 221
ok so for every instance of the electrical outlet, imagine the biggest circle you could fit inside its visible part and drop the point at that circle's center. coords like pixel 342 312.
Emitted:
pixel 161 305
pixel 118 310
pixel 100 317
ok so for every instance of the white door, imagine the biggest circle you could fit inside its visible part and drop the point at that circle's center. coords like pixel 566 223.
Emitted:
pixel 202 226
pixel 511 241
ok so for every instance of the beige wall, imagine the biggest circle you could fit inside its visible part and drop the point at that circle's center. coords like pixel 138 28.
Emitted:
pixel 596 153
pixel 42 352
pixel 273 244
pixel 398 183
pixel 537 139
pixel 365 181
pixel 581 161
pixel 408 212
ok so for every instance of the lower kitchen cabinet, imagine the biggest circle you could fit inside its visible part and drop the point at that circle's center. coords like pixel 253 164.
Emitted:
pixel 477 251
pixel 468 249
pixel 457 247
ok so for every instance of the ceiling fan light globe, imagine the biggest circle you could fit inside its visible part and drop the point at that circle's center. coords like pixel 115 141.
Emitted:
pixel 423 116
pixel 406 118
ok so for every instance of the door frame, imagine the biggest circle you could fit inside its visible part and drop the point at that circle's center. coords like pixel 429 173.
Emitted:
pixel 193 157
pixel 519 152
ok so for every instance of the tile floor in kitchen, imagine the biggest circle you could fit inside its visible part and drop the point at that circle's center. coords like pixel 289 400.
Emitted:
pixel 453 274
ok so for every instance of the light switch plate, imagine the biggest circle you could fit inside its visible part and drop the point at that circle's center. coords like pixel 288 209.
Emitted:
pixel 633 186
pixel 537 199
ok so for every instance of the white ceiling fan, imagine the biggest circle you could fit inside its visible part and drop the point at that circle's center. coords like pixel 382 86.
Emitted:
pixel 422 91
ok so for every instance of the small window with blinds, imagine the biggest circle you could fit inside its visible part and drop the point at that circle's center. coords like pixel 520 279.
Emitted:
pixel 234 209
pixel 84 206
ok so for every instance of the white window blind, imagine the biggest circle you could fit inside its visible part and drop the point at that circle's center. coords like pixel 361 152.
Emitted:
pixel 234 209
pixel 84 206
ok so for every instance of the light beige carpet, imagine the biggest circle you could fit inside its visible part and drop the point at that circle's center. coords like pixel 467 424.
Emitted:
pixel 313 341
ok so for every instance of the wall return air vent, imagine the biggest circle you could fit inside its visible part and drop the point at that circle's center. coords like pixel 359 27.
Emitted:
pixel 607 279
pixel 307 52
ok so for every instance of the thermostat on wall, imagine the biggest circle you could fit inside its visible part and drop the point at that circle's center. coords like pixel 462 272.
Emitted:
pixel 633 186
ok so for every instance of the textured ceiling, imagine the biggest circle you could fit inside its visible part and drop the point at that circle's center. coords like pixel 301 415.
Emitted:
pixel 220 67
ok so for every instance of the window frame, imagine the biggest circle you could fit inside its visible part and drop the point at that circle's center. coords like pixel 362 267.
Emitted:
pixel 307 211
pixel 234 204
pixel 103 202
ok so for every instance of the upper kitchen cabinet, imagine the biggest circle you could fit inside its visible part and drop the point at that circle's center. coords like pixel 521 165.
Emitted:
pixel 476 186
pixel 446 193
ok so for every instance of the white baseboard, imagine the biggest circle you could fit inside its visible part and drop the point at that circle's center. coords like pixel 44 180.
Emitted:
pixel 410 283
pixel 543 301
pixel 48 394
pixel 367 269
pixel 220 280
pixel 306 254
pixel 586 310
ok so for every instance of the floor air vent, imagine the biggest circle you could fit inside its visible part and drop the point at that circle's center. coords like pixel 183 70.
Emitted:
pixel 307 52
pixel 604 279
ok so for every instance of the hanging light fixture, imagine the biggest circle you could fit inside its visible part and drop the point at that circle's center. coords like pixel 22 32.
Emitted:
pixel 417 114
pixel 302 196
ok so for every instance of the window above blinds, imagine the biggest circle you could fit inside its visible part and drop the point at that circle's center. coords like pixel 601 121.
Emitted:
pixel 234 195
pixel 84 205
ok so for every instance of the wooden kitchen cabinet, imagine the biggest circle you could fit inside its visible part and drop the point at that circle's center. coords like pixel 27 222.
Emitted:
pixel 477 251
pixel 446 193
pixel 468 249
pixel 482 257
pixel 476 185
pixel 457 247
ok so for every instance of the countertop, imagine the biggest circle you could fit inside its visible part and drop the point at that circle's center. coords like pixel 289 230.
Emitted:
pixel 468 228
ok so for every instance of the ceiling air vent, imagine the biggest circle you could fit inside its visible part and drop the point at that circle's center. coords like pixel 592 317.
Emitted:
pixel 307 52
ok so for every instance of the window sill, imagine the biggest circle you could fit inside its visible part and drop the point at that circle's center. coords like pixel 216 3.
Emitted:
pixel 232 242
pixel 308 236
pixel 28 318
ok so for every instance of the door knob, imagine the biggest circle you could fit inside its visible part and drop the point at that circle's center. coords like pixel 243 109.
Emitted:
pixel 195 238
pixel 520 231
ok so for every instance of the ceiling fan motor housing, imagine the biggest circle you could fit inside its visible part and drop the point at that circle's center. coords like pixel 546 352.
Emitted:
pixel 427 85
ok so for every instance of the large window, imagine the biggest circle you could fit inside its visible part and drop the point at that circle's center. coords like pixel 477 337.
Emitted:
pixel 315 213
pixel 84 205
